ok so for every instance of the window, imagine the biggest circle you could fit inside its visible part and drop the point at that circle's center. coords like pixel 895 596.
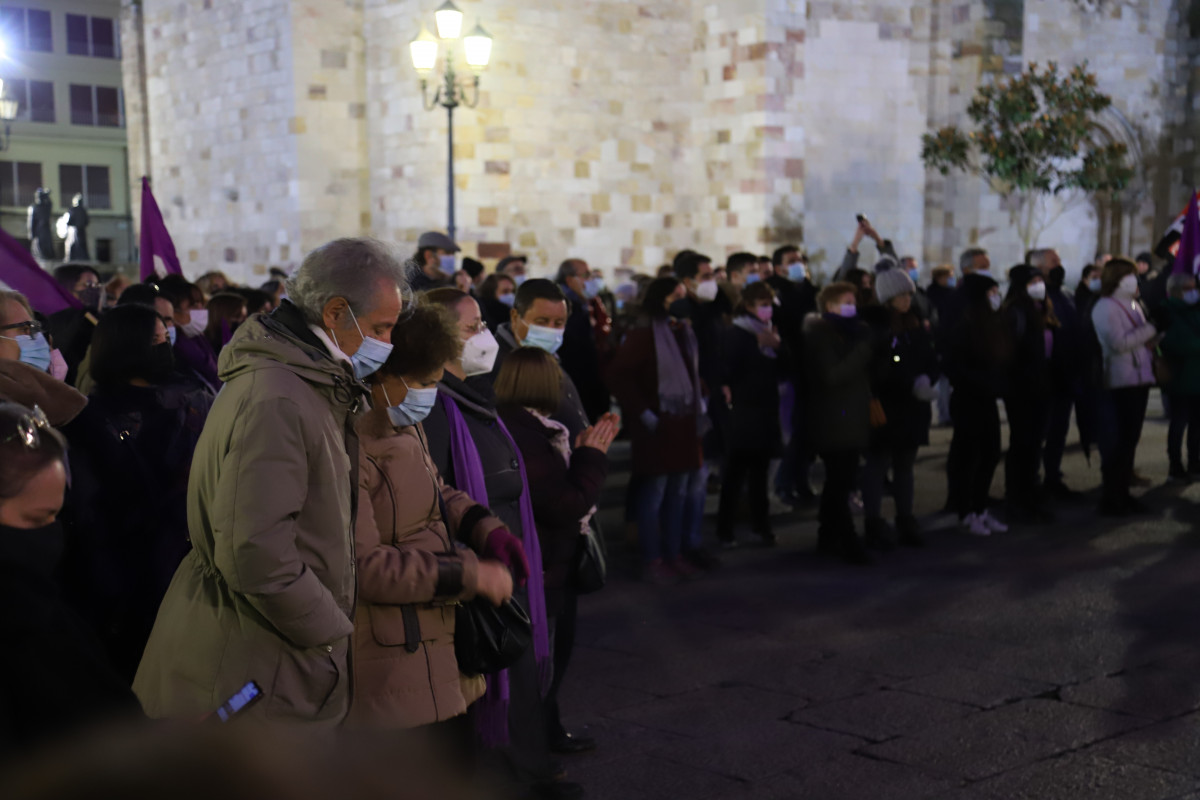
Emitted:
pixel 19 181
pixel 90 181
pixel 26 28
pixel 97 105
pixel 35 99
pixel 104 250
pixel 92 36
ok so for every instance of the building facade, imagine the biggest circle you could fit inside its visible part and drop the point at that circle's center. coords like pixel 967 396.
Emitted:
pixel 62 63
pixel 623 132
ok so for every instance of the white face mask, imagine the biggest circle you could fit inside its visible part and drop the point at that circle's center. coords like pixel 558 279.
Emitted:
pixel 479 353
pixel 1037 290
pixel 707 290
pixel 198 323
pixel 1127 288
pixel 994 300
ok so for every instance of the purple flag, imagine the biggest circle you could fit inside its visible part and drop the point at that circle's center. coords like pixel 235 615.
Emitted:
pixel 1187 260
pixel 22 273
pixel 156 241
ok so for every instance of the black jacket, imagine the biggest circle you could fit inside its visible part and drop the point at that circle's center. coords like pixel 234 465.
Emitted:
pixel 502 474
pixel 979 349
pixel 570 408
pixel 753 379
pixel 796 301
pixel 54 677
pixel 561 497
pixel 903 353
pixel 838 356
pixel 580 359
pixel 1029 371
pixel 131 456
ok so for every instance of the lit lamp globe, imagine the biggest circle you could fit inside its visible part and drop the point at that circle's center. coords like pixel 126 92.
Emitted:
pixel 478 47
pixel 424 52
pixel 449 20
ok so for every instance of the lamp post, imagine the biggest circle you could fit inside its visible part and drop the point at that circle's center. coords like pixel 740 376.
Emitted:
pixel 8 112
pixel 451 93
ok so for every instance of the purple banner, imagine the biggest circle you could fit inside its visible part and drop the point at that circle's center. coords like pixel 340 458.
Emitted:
pixel 156 241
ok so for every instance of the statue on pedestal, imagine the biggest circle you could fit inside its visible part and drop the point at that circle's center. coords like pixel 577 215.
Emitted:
pixel 39 226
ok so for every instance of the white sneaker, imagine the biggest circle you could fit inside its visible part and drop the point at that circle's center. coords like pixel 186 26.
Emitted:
pixel 974 525
pixel 992 524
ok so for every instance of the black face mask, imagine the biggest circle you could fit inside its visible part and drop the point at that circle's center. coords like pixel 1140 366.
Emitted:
pixel 160 363
pixel 36 549
pixel 680 309
pixel 91 297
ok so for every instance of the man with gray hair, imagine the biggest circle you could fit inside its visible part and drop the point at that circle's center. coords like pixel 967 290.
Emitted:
pixel 975 260
pixel 267 593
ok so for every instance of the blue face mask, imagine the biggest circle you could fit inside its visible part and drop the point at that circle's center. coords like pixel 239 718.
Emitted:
pixel 752 278
pixel 915 274
pixel 548 339
pixel 519 279
pixel 507 299
pixel 446 265
pixel 593 287
pixel 952 281
pixel 1191 297
pixel 172 335
pixel 371 354
pixel 35 350
pixel 1093 285
pixel 797 272
pixel 414 408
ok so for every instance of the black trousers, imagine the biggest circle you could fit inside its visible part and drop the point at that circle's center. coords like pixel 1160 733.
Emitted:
pixel 564 628
pixel 1122 412
pixel 1185 416
pixel 1058 425
pixel 973 462
pixel 744 469
pixel 841 475
pixel 1027 415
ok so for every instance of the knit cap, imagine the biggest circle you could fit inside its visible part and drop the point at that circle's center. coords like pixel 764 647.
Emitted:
pixel 892 283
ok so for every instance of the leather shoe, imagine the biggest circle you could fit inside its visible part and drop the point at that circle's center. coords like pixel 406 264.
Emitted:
pixel 569 744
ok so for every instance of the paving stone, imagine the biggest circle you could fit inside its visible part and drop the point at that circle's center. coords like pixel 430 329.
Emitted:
pixel 882 715
pixel 647 778
pixel 910 657
pixel 853 777
pixel 711 711
pixel 1173 745
pixel 817 682
pixel 1081 775
pixel 982 689
pixel 757 752
pixel 1155 692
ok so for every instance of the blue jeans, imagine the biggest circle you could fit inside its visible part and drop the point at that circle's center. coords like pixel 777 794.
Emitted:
pixel 671 513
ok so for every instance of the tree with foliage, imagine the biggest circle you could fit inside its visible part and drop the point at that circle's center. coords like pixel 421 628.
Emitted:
pixel 1033 139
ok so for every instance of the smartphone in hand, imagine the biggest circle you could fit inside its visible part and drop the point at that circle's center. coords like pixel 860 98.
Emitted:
pixel 247 696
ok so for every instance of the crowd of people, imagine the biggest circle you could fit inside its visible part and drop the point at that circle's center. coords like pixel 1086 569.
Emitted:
pixel 329 481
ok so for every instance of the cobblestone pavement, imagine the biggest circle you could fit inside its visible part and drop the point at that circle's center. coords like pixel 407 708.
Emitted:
pixel 1050 662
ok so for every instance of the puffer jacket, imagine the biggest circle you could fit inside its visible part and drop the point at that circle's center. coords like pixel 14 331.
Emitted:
pixel 411 578
pixel 1124 333
pixel 267 592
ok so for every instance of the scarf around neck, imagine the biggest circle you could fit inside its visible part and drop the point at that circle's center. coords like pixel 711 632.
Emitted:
pixel 492 716
pixel 678 389
pixel 755 326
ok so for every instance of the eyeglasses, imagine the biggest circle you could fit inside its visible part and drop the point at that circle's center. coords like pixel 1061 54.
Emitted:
pixel 471 330
pixel 30 328
pixel 28 426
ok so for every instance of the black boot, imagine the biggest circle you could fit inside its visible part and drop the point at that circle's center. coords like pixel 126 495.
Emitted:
pixel 909 532
pixel 878 535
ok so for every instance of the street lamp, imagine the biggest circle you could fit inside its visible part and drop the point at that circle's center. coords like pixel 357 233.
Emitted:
pixel 450 93
pixel 8 112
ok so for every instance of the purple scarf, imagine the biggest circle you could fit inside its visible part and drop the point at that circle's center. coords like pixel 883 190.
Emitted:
pixel 492 709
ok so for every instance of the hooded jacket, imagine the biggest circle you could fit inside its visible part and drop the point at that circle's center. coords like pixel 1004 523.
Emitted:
pixel 267 592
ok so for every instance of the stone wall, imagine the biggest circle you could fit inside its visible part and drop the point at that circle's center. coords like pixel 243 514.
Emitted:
pixel 621 133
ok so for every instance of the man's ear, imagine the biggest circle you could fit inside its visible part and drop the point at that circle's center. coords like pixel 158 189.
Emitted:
pixel 334 315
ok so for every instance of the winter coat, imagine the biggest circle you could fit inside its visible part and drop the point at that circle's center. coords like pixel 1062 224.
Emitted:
pixel 54 678
pixel 501 470
pixel 29 386
pixel 1068 361
pixel 1181 346
pixel 194 354
pixel 901 357
pixel 1124 335
pixel 796 302
pixel 570 408
pixel 945 301
pixel 409 565
pixel 978 354
pixel 838 358
pixel 267 592
pixel 580 358
pixel 753 379
pixel 1030 367
pixel 674 445
pixel 131 454
pixel 71 331
pixel 562 497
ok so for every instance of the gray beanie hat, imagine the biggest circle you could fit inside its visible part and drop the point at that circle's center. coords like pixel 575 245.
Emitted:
pixel 892 283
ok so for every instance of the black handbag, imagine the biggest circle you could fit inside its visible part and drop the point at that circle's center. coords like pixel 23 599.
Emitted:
pixel 591 567
pixel 488 638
